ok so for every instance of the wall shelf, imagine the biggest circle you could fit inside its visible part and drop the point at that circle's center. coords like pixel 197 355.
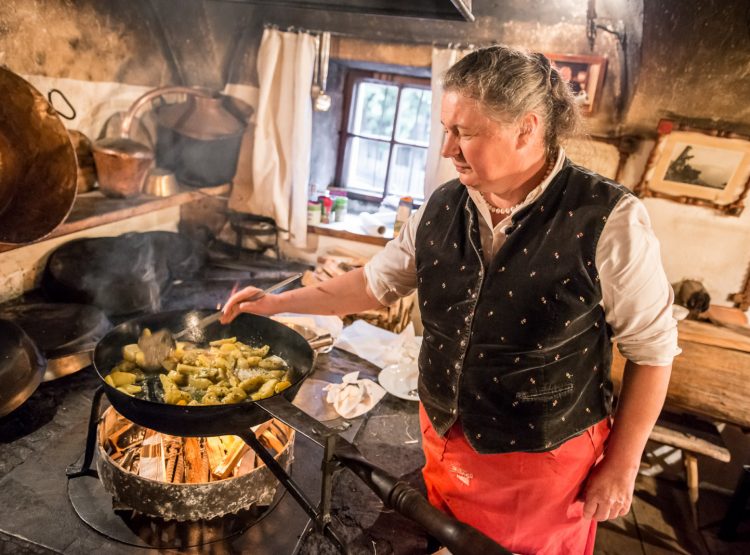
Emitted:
pixel 352 230
pixel 94 209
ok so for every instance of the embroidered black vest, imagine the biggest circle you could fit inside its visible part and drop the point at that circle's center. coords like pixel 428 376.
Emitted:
pixel 519 349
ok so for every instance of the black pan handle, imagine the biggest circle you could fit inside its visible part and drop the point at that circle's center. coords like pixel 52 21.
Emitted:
pixel 85 469
pixel 458 537
pixel 281 409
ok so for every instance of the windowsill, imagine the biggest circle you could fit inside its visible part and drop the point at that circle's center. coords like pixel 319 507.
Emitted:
pixel 352 230
pixel 94 209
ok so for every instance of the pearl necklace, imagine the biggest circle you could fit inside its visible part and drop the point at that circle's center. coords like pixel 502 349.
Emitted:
pixel 505 211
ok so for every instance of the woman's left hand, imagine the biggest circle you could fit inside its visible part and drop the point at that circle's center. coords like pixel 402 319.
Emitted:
pixel 609 490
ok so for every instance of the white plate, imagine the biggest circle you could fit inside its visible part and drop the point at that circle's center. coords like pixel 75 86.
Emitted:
pixel 400 380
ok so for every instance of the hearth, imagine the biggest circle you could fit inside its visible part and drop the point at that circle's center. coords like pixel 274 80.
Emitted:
pixel 87 497
pixel 47 432
pixel 188 504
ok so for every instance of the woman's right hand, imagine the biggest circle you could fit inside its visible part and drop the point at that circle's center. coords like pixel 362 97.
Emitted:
pixel 344 294
pixel 238 302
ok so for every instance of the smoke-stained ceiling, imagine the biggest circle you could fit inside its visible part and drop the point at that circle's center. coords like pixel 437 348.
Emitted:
pixel 665 57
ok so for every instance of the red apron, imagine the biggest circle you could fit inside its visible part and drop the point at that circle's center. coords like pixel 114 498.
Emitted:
pixel 528 502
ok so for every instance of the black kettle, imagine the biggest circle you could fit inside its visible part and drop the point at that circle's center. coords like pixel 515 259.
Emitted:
pixel 198 139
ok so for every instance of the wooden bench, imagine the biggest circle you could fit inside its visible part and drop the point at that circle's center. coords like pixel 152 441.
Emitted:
pixel 711 378
pixel 694 436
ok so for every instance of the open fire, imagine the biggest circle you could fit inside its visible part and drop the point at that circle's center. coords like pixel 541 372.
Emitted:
pixel 187 478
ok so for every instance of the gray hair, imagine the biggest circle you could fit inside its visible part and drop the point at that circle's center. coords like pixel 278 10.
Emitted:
pixel 509 83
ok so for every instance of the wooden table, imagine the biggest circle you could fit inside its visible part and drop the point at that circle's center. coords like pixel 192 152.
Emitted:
pixel 712 375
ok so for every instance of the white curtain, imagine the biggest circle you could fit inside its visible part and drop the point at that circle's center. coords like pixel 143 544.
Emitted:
pixel 439 169
pixel 283 132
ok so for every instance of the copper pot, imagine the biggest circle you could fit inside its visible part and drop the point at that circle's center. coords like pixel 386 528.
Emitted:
pixel 86 179
pixel 37 163
pixel 121 166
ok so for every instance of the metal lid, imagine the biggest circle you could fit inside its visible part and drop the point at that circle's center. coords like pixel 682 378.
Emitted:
pixel 206 117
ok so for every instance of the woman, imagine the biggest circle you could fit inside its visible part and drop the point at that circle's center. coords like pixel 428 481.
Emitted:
pixel 527 267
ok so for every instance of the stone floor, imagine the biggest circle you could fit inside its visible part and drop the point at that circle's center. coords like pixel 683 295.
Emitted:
pixel 661 522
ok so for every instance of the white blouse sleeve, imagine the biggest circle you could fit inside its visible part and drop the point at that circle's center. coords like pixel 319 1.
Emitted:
pixel 392 273
pixel 636 294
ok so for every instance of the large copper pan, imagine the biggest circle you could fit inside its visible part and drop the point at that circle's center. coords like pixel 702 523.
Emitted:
pixel 37 163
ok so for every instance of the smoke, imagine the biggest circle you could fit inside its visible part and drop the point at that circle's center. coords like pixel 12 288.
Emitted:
pixel 121 275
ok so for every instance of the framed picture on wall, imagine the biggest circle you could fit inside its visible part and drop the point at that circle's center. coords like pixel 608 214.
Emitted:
pixel 701 167
pixel 585 76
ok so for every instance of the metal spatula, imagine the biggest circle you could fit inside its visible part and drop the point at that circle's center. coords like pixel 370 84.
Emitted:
pixel 158 346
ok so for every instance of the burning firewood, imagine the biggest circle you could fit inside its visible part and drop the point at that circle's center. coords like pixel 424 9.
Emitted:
pixel 205 465
pixel 173 448
pixel 152 457
pixel 179 469
pixel 270 440
pixel 193 461
pixel 130 461
pixel 228 464
pixel 214 451
pixel 186 460
pixel 114 439
pixel 248 463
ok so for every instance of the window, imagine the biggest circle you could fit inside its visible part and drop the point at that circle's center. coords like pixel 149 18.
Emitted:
pixel 385 133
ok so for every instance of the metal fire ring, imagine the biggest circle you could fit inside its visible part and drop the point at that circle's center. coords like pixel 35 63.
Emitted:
pixel 185 502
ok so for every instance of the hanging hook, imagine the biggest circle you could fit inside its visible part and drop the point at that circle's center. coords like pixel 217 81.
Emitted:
pixel 591 24
pixel 49 99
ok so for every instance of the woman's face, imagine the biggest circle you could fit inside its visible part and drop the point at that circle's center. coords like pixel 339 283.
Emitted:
pixel 488 155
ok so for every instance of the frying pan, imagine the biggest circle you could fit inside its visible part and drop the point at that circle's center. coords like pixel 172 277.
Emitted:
pixel 212 420
pixel 21 367
pixel 236 419
pixel 65 333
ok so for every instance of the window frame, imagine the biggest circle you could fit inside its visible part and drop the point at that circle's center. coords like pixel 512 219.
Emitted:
pixel 354 77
